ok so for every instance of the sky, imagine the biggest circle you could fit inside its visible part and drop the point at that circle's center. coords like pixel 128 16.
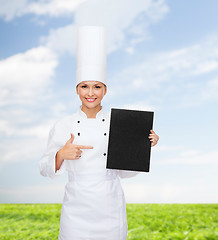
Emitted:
pixel 162 56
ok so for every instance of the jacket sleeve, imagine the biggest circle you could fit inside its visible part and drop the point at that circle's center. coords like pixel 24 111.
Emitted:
pixel 126 173
pixel 47 162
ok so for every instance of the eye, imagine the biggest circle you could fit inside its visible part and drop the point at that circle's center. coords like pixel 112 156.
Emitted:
pixel 83 86
pixel 98 86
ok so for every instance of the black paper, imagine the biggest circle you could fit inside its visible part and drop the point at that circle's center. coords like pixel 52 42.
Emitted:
pixel 129 147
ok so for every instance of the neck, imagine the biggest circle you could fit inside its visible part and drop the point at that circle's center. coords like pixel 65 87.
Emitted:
pixel 91 112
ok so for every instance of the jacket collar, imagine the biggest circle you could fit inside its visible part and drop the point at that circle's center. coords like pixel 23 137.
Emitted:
pixel 83 115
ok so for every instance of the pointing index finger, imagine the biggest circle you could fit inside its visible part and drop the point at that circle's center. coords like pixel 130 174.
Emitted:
pixel 84 147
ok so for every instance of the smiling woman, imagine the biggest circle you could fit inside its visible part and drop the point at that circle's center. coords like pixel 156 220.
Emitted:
pixel 94 203
pixel 91 94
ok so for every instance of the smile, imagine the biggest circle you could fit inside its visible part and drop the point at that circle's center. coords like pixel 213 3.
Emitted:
pixel 90 99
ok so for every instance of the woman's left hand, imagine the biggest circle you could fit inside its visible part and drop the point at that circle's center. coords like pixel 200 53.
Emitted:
pixel 153 138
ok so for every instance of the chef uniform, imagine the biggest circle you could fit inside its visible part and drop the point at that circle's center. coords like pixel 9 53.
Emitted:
pixel 94 205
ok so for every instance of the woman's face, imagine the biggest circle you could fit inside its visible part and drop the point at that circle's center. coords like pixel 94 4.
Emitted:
pixel 91 93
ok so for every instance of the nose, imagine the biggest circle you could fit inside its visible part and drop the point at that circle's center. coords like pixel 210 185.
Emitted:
pixel 90 91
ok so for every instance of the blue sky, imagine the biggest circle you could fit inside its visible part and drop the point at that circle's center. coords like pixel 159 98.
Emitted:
pixel 161 56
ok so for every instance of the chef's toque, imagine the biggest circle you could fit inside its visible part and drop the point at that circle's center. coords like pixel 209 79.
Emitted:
pixel 91 54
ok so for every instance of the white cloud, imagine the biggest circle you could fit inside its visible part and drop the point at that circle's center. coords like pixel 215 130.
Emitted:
pixel 130 50
pixel 120 19
pixel 151 193
pixel 206 66
pixel 167 192
pixel 21 149
pixel 171 148
pixel 24 82
pixel 62 39
pixel 12 129
pixel 93 10
pixel 210 90
pixel 53 8
pixel 24 134
pixel 24 76
pixel 154 14
pixel 185 75
pixel 13 8
pixel 138 106
pixel 191 157
pixel 16 8
pixel 171 66
pixel 52 192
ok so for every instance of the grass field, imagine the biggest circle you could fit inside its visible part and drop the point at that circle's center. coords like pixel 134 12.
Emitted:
pixel 145 221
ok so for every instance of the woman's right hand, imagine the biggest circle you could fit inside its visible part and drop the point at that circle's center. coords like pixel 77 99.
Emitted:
pixel 69 151
pixel 72 151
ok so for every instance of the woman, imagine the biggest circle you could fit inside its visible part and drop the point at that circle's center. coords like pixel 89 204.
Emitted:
pixel 94 205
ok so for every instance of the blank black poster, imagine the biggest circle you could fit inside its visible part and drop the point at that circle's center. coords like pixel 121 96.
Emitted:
pixel 129 147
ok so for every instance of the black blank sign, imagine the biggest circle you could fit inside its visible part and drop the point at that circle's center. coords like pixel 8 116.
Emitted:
pixel 129 147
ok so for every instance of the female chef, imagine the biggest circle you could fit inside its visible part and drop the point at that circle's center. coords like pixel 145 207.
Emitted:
pixel 94 205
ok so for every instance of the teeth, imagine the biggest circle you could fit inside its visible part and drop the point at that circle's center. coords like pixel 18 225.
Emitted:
pixel 91 99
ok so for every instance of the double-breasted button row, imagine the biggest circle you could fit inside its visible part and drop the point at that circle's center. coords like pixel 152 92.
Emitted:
pixel 104 134
pixel 102 120
pixel 78 133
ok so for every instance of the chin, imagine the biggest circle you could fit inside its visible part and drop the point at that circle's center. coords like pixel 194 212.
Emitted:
pixel 90 105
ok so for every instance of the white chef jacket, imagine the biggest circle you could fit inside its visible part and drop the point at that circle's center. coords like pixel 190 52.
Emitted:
pixel 94 205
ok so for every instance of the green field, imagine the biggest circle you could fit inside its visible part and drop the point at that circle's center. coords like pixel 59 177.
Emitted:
pixel 145 221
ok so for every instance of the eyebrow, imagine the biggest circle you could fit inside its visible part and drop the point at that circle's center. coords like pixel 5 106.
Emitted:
pixel 93 84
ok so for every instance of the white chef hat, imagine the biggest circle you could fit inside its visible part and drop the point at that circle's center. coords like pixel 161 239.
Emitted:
pixel 91 54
